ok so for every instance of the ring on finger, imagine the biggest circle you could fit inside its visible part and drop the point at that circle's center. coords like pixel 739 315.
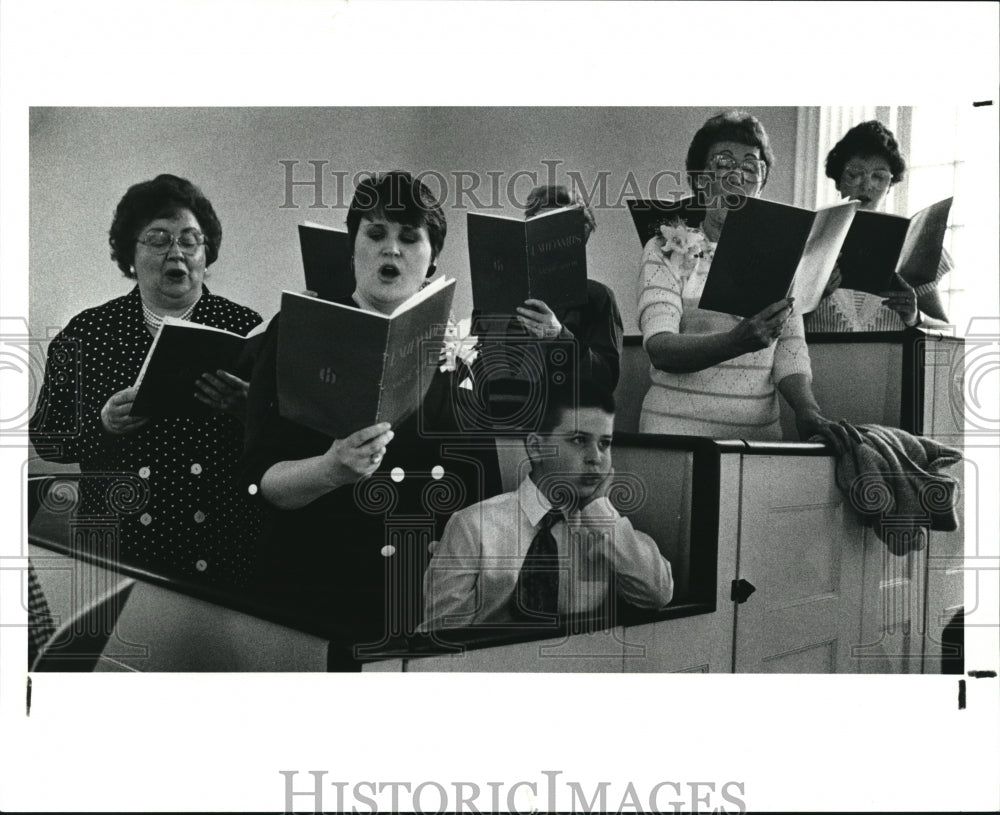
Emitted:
pixel 375 458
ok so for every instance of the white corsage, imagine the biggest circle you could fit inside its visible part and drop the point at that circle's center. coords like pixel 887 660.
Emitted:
pixel 685 245
pixel 459 345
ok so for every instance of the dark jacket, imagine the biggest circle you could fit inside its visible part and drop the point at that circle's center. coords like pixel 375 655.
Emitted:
pixel 352 561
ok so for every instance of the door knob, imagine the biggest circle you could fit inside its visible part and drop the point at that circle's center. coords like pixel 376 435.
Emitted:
pixel 742 589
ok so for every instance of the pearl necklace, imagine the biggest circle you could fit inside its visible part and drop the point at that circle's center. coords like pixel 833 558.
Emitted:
pixel 154 320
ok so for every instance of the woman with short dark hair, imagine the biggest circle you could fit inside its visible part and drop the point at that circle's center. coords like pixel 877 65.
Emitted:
pixel 870 138
pixel 327 547
pixel 864 166
pixel 190 520
pixel 732 126
pixel 390 222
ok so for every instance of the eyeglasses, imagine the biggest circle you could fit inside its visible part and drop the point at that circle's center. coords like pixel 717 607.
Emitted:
pixel 160 240
pixel 854 176
pixel 753 169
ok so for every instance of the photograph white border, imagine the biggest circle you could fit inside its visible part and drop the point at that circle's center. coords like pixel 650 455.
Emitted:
pixel 218 742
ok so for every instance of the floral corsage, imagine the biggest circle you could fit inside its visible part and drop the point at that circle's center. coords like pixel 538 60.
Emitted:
pixel 685 245
pixel 459 346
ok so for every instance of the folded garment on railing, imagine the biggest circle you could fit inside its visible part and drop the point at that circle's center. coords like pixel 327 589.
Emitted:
pixel 893 480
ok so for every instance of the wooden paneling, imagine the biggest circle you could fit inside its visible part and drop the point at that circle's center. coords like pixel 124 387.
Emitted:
pixel 633 383
pixel 163 630
pixel 945 589
pixel 944 413
pixel 891 608
pixel 699 644
pixel 187 634
pixel 859 382
pixel 600 652
pixel 658 483
pixel 802 552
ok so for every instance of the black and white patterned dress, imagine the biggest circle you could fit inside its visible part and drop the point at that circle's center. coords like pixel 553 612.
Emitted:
pixel 165 495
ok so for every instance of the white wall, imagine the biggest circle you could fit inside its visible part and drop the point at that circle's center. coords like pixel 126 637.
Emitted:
pixel 83 159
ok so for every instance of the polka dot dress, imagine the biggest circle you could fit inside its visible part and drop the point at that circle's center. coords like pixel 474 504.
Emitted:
pixel 164 496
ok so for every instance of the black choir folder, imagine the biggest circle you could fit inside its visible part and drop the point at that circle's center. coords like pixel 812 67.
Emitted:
pixel 649 214
pixel 768 251
pixel 879 245
pixel 513 259
pixel 326 259
pixel 181 352
pixel 341 369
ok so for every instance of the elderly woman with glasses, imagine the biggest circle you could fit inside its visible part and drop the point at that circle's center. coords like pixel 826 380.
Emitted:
pixel 864 166
pixel 715 374
pixel 167 485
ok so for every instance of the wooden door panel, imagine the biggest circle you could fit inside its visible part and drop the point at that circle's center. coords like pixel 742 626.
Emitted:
pixel 699 644
pixel 798 569
pixel 802 550
pixel 819 658
pixel 799 625
pixel 891 609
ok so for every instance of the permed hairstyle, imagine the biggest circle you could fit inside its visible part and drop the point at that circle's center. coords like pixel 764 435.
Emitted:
pixel 870 138
pixel 401 199
pixel 554 196
pixel 733 125
pixel 163 197
pixel 586 393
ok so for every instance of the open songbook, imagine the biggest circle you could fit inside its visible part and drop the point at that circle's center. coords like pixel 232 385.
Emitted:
pixel 181 352
pixel 341 369
pixel 879 246
pixel 768 251
pixel 513 259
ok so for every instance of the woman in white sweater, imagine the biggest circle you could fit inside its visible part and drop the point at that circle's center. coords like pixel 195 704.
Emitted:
pixel 715 374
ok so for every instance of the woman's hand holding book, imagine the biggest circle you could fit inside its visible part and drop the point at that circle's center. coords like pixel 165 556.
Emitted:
pixel 763 329
pixel 358 455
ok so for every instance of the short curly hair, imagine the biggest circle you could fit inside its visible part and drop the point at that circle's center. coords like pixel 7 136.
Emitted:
pixel 559 196
pixel 401 199
pixel 163 197
pixel 870 138
pixel 733 125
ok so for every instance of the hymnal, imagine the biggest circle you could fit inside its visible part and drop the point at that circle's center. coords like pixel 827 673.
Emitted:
pixel 181 352
pixel 879 246
pixel 341 369
pixel 768 251
pixel 326 258
pixel 649 215
pixel 512 259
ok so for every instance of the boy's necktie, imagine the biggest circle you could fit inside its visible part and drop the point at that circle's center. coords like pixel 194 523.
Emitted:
pixel 537 589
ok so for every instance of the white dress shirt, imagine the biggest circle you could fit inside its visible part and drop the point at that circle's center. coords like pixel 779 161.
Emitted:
pixel 474 568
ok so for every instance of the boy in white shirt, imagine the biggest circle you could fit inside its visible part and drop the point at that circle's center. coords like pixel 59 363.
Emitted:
pixel 553 546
